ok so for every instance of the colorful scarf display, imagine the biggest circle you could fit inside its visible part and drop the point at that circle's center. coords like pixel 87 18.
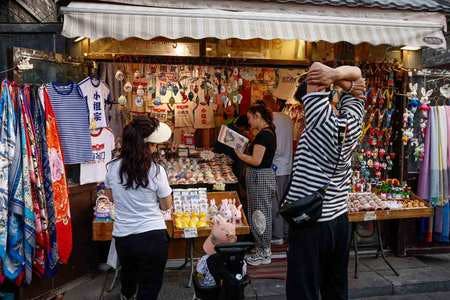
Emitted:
pixel 434 177
pixel 35 225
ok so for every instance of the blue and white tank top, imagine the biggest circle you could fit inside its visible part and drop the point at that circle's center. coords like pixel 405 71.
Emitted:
pixel 72 118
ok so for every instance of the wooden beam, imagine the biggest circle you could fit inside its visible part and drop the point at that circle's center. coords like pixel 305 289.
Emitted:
pixel 31 28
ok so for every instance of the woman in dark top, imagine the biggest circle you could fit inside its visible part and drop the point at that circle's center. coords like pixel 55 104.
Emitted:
pixel 260 178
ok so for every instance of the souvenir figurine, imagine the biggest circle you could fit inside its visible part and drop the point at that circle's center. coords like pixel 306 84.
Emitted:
pixel 425 102
pixel 140 91
pixel 122 100
pixel 225 210
pixel 128 87
pixel 212 209
pixel 119 75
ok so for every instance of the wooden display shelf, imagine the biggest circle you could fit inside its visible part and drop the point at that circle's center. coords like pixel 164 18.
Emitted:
pixel 390 214
pixel 241 229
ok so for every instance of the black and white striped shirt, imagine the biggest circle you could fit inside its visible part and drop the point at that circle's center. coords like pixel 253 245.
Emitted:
pixel 317 151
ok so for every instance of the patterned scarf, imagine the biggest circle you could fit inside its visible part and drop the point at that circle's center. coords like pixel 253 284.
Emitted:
pixel 59 184
pixel 13 261
pixel 7 152
pixel 37 191
pixel 39 121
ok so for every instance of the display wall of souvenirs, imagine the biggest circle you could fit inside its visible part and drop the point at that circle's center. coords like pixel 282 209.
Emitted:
pixel 192 98
pixel 373 160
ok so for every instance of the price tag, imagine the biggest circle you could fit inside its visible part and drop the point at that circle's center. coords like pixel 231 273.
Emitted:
pixel 190 233
pixel 219 187
pixel 370 216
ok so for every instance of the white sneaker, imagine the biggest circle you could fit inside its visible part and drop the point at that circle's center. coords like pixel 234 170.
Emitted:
pixel 277 242
pixel 261 257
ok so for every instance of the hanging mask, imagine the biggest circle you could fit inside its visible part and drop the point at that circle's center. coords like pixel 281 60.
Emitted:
pixel 191 96
pixel 120 76
pixel 140 91
pixel 122 100
pixel 222 89
pixel 128 87
pixel 139 101
pixel 172 100
pixel 240 82
pixel 148 75
pixel 175 89
pixel 137 74
pixel 163 90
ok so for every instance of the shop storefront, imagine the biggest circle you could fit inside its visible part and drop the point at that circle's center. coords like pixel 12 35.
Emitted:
pixel 198 65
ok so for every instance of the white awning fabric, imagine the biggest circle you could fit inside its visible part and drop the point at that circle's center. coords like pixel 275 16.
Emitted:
pixel 247 21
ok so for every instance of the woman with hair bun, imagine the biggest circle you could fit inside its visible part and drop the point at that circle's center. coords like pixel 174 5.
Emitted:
pixel 140 188
pixel 261 183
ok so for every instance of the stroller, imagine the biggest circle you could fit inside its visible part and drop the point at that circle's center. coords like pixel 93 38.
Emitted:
pixel 230 282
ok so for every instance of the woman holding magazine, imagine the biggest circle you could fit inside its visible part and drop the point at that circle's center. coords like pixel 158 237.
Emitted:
pixel 260 179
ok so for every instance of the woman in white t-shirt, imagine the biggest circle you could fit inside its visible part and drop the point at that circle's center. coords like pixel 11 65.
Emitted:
pixel 140 188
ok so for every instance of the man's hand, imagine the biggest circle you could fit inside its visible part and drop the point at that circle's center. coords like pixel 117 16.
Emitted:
pixel 321 76
pixel 359 88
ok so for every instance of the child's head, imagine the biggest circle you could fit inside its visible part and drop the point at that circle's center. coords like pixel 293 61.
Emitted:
pixel 222 232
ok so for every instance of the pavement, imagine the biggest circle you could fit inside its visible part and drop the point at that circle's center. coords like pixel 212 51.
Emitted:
pixel 421 277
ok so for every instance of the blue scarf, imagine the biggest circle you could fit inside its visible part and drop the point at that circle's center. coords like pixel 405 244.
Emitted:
pixel 7 152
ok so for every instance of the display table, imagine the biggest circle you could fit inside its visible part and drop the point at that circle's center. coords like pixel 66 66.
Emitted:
pixel 102 231
pixel 382 215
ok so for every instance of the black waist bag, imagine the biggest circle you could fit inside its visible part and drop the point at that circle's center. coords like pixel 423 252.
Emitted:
pixel 305 210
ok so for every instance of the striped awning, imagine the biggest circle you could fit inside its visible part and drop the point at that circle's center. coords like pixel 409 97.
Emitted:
pixel 248 20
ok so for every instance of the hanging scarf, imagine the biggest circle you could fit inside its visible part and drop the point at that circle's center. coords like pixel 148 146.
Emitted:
pixel 14 259
pixel 443 141
pixel 434 192
pixel 39 207
pixel 7 152
pixel 59 184
pixel 39 120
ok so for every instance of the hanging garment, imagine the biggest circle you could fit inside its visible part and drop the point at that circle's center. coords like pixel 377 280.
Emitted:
pixel 443 141
pixel 72 118
pixel 7 152
pixel 434 192
pixel 37 189
pixel 14 260
pixel 59 184
pixel 96 94
pixel 39 121
pixel 102 146
pixel 21 204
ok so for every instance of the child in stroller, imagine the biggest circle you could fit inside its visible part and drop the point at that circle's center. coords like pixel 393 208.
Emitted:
pixel 221 272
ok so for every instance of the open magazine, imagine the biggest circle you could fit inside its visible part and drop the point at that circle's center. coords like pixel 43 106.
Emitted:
pixel 232 139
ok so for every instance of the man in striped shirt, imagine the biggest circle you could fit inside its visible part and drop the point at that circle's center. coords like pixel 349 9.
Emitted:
pixel 318 253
